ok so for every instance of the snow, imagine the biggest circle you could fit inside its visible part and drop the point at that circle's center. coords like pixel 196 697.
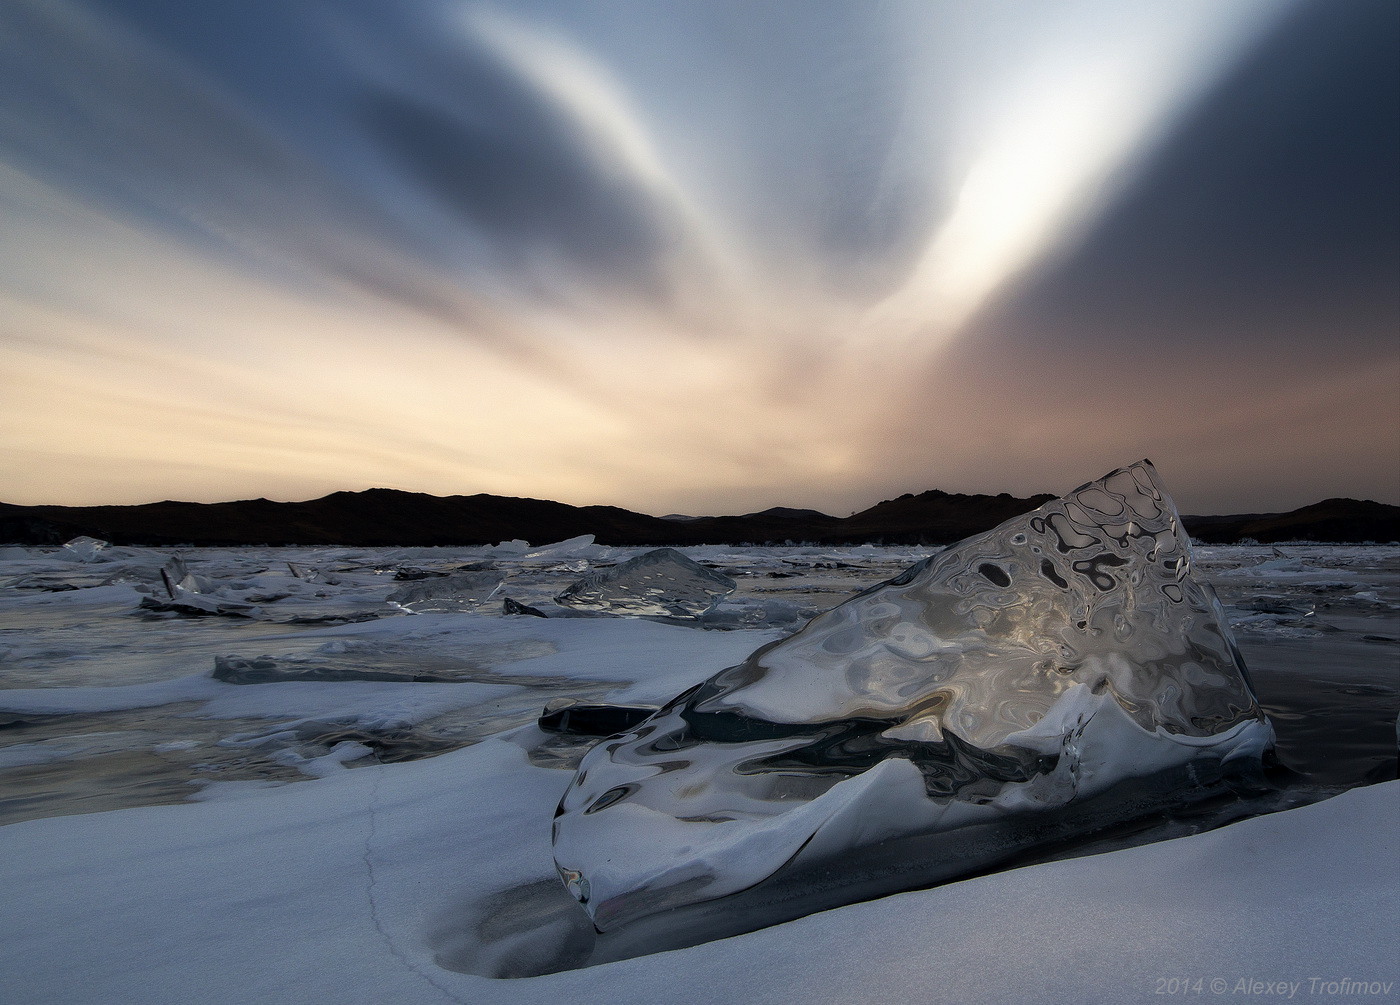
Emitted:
pixel 343 888
pixel 291 870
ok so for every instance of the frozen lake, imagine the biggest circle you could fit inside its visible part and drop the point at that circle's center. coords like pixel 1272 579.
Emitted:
pixel 388 721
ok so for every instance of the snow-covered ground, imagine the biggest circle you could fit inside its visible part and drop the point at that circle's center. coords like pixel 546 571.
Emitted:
pixel 173 837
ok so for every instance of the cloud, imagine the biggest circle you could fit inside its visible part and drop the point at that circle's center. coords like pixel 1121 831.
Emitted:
pixel 699 258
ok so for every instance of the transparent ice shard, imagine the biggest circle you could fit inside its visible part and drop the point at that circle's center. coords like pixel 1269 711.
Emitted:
pixel 311 574
pixel 512 606
pixel 85 549
pixel 660 583
pixel 178 579
pixel 574 547
pixel 1061 673
pixel 507 549
pixel 191 596
pixel 460 591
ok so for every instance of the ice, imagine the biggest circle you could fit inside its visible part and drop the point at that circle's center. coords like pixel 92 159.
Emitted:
pixel 192 604
pixel 311 574
pixel 268 670
pixel 77 745
pixel 85 549
pixel 196 596
pixel 748 613
pixel 662 583
pixel 510 606
pixel 459 591
pixel 177 579
pixel 1056 675
pixel 407 875
pixel 365 873
pixel 566 715
pixel 508 549
pixel 575 547
pixel 328 763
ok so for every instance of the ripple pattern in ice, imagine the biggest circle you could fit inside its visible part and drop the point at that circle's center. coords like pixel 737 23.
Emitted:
pixel 1051 676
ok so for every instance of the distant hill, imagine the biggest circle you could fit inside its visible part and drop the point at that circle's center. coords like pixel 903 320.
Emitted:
pixel 1351 520
pixel 372 517
pixel 936 517
pixel 788 513
pixel 387 517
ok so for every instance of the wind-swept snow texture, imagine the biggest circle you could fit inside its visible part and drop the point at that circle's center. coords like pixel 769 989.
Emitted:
pixel 353 887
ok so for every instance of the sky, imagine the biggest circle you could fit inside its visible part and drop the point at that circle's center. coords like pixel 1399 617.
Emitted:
pixel 701 258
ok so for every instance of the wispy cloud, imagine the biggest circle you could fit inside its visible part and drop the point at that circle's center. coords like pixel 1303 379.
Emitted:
pixel 704 260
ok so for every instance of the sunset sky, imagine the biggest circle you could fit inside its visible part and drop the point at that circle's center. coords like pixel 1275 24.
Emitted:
pixel 699 257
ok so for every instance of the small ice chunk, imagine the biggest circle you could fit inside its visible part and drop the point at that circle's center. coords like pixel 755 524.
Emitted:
pixel 510 606
pixel 311 574
pixel 572 548
pixel 460 591
pixel 507 549
pixel 179 580
pixel 198 605
pixel 771 612
pixel 84 549
pixel 189 595
pixel 657 583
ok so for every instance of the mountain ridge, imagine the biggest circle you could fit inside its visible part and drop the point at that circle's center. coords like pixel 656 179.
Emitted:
pixel 394 517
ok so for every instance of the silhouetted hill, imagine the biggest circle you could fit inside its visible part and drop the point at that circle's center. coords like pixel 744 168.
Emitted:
pixel 936 517
pixel 373 517
pixel 788 513
pixel 1351 520
pixel 387 517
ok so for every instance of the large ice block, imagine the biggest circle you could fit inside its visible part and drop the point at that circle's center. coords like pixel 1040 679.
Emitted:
pixel 1061 673
pixel 660 583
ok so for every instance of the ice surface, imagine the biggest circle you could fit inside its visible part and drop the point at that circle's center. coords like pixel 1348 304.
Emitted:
pixel 662 582
pixel 268 670
pixel 388 881
pixel 459 591
pixel 1055 675
pixel 359 887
